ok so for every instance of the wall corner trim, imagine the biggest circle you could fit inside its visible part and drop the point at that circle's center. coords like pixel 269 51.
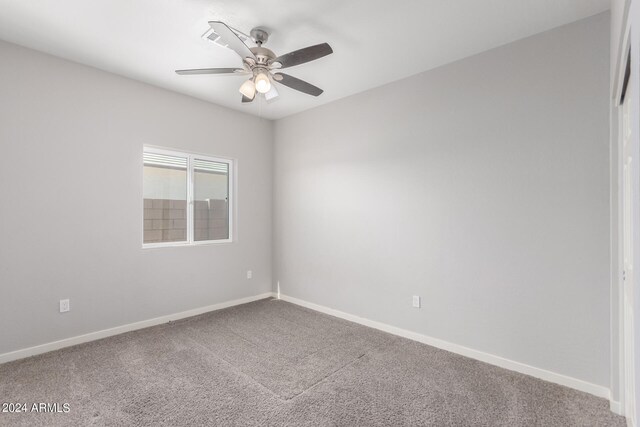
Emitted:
pixel 616 407
pixel 93 336
pixel 577 384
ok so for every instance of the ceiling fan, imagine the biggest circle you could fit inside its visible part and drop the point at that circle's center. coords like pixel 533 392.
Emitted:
pixel 262 64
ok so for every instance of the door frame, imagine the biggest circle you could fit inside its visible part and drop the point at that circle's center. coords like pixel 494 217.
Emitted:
pixel 629 42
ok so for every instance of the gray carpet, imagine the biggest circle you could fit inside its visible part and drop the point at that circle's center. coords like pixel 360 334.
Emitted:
pixel 271 363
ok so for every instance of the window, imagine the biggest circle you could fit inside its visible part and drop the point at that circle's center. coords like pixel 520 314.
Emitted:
pixel 187 198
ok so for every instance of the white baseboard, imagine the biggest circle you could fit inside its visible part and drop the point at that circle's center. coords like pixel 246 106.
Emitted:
pixel 522 368
pixel 564 380
pixel 92 336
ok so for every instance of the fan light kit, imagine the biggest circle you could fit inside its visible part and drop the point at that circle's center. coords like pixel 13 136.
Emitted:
pixel 248 88
pixel 262 83
pixel 261 63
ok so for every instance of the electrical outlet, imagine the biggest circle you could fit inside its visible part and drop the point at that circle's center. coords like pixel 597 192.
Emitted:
pixel 249 274
pixel 416 301
pixel 64 305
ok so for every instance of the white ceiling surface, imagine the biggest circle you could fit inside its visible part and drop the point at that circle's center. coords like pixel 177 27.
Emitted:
pixel 374 41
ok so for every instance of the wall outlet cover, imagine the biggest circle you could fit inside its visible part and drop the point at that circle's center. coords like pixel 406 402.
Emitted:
pixel 64 305
pixel 416 301
pixel 249 274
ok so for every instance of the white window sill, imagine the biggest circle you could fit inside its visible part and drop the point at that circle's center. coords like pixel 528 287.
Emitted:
pixel 184 244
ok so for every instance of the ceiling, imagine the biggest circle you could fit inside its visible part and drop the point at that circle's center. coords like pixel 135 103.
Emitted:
pixel 374 41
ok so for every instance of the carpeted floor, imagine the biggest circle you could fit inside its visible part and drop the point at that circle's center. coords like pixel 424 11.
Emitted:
pixel 271 363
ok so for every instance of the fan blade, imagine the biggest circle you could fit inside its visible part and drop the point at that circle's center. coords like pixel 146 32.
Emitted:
pixel 298 84
pixel 231 39
pixel 238 71
pixel 245 99
pixel 301 56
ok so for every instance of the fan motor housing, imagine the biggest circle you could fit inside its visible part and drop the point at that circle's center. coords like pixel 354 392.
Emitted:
pixel 263 55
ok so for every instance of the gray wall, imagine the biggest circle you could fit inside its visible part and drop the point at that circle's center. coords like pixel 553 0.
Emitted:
pixel 71 201
pixel 482 186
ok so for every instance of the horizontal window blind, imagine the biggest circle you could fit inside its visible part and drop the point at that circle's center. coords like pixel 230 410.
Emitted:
pixel 164 160
pixel 209 166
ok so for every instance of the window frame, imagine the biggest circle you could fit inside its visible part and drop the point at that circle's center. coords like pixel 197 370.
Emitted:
pixel 190 197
